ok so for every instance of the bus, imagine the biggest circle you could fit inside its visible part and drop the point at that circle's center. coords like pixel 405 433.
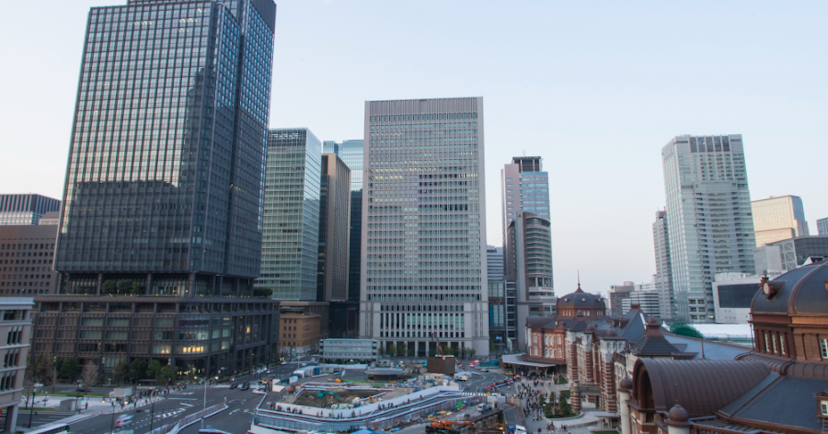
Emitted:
pixel 52 428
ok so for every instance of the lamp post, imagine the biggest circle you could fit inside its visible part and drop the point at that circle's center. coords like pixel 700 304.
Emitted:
pixel 31 409
pixel 205 399
pixel 111 401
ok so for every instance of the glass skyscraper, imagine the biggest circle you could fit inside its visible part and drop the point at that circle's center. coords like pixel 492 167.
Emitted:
pixel 25 209
pixel 290 239
pixel 524 186
pixel 164 180
pixel 351 152
pixel 778 218
pixel 423 228
pixel 710 226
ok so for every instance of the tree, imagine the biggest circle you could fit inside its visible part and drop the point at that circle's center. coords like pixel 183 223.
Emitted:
pixel 472 352
pixel 564 409
pixel 121 371
pixel 154 369
pixel 685 330
pixel 69 369
pixel 401 350
pixel 262 292
pixel 109 287
pixel 124 286
pixel 167 372
pixel 46 369
pixel 90 374
pixel 392 349
pixel 135 289
pixel 138 369
pixel 411 349
pixel 381 350
pixel 448 350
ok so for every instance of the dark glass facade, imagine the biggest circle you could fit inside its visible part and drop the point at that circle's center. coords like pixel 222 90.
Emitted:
pixel 737 296
pixel 164 181
pixel 165 165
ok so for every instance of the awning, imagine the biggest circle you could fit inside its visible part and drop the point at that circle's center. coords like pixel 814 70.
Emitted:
pixel 515 359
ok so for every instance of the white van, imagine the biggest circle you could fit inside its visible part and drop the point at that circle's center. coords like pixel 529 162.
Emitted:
pixel 520 429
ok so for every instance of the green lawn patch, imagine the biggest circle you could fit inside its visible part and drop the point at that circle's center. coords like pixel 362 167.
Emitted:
pixel 565 393
pixel 560 380
pixel 609 431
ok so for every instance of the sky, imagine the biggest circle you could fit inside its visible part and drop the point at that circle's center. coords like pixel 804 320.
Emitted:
pixel 595 88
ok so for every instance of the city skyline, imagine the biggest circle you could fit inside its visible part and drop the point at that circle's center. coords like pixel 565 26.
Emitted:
pixel 615 88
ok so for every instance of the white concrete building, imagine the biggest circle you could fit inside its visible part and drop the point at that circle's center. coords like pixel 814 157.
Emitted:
pixel 424 225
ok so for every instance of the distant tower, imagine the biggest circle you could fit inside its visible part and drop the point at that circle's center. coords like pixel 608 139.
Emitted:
pixel 663 277
pixel 778 218
pixel 710 228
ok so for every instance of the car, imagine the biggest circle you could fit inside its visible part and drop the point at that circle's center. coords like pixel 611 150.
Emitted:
pixel 509 373
pixel 82 388
pixel 123 420
pixel 245 386
pixel 484 370
pixel 234 385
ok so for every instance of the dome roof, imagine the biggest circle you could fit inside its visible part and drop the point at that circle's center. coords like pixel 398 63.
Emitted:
pixel 800 291
pixel 678 414
pixel 579 298
pixel 626 383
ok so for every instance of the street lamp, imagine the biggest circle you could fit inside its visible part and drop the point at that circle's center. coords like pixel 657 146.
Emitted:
pixel 205 381
pixel 31 409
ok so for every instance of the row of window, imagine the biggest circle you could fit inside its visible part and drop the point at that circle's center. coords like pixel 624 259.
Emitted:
pixel 423 117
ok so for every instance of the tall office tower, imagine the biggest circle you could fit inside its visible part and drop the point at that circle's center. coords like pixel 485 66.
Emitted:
pixel 164 183
pixel 524 186
pixel 529 259
pixel 646 299
pixel 778 218
pixel 290 243
pixel 424 225
pixel 498 335
pixel 708 210
pixel 33 249
pixel 25 209
pixel 822 226
pixel 351 152
pixel 663 278
pixel 334 216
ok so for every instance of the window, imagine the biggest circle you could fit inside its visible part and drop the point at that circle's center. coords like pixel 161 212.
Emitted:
pixel 823 346
pixel 824 406
pixel 767 344
pixel 782 344
pixel 773 341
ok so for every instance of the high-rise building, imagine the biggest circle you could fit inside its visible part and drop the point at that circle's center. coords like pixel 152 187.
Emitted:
pixel 732 296
pixel 617 294
pixel 498 334
pixel 710 225
pixel 290 241
pixel 334 217
pixel 351 152
pixel 529 265
pixel 778 218
pixel 163 188
pixel 663 278
pixel 25 209
pixel 424 225
pixel 797 251
pixel 524 186
pixel 646 297
pixel 27 253
pixel 822 226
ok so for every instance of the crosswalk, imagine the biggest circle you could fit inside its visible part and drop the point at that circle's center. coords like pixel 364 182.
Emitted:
pixel 170 413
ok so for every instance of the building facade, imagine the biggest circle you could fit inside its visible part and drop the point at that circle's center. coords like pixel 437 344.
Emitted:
pixel 299 333
pixel 617 294
pixel 663 278
pixel 351 152
pixel 778 218
pixel 290 243
pixel 708 209
pixel 524 186
pixel 529 265
pixel 16 325
pixel 732 296
pixel 498 334
pixel 424 225
pixel 646 299
pixel 797 251
pixel 349 350
pixel 334 217
pixel 26 255
pixel 822 227
pixel 25 209
pixel 164 180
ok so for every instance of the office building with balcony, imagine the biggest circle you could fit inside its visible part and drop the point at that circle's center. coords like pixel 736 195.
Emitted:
pixel 25 209
pixel 424 225
pixel 161 218
pixel 778 218
pixel 710 226
pixel 16 326
pixel 529 265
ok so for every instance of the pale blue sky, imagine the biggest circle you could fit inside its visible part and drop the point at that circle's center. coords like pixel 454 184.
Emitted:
pixel 596 88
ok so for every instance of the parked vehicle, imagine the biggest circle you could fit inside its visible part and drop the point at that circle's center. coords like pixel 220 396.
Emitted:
pixel 234 385
pixel 245 386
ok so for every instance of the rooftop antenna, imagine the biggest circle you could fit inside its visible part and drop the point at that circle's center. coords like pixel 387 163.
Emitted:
pixel 579 278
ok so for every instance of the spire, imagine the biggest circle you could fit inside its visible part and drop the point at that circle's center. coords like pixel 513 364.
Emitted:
pixel 579 282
